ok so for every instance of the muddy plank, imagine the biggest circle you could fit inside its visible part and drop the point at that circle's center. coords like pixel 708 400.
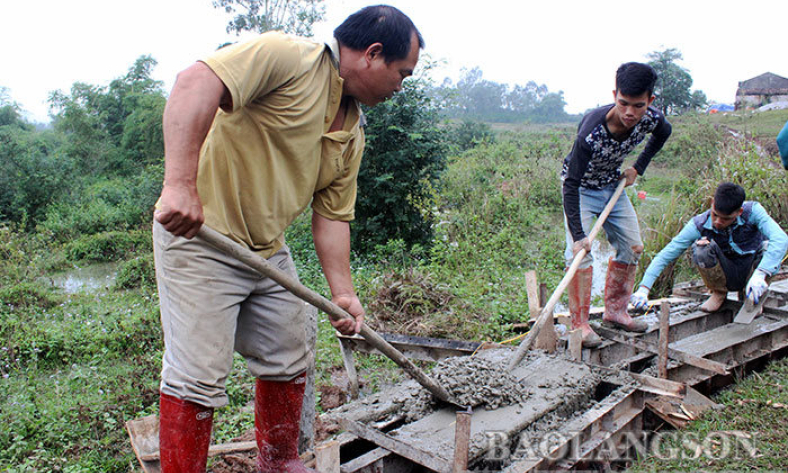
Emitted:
pixel 718 339
pixel 553 381
pixel 672 352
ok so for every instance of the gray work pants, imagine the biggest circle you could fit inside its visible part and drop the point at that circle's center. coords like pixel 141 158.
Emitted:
pixel 212 305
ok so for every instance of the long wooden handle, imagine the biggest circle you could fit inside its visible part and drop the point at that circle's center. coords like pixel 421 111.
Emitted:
pixel 547 311
pixel 336 313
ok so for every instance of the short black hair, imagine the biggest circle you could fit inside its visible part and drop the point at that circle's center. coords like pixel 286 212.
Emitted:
pixel 635 78
pixel 728 198
pixel 382 24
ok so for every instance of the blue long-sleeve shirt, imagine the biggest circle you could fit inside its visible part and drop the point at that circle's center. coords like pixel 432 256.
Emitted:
pixel 782 144
pixel 770 263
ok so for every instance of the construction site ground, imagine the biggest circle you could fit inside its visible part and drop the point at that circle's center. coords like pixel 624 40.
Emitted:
pixel 594 398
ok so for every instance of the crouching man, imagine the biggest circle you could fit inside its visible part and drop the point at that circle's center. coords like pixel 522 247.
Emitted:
pixel 736 246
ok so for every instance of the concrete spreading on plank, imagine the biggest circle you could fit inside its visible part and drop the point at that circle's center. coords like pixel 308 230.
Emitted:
pixel 541 384
pixel 471 381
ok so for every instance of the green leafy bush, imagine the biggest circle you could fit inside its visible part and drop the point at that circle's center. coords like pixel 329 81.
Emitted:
pixel 108 246
pixel 27 294
pixel 137 273
pixel 466 134
pixel 404 157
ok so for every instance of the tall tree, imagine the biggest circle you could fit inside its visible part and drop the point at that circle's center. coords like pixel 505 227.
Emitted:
pixel 674 83
pixel 290 16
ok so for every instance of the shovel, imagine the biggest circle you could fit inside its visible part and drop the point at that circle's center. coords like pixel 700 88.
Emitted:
pixel 749 310
pixel 547 311
pixel 246 256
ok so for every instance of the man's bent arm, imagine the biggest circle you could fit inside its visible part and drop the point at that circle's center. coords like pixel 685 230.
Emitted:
pixel 332 244
pixel 658 138
pixel 188 116
pixel 686 237
pixel 778 240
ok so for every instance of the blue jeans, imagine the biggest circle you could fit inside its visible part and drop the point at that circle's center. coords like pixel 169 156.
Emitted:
pixel 621 227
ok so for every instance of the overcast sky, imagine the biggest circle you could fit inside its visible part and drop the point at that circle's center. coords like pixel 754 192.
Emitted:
pixel 573 46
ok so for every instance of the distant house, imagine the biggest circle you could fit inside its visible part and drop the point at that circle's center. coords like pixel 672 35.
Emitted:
pixel 761 90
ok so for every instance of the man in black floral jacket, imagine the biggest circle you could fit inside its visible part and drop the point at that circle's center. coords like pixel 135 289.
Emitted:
pixel 591 172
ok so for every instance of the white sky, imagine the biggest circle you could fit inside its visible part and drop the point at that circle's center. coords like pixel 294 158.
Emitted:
pixel 569 45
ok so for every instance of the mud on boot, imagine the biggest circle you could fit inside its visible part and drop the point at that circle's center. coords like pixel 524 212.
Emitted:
pixel 618 288
pixel 579 292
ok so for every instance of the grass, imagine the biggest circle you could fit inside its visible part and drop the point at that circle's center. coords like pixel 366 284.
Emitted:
pixel 764 125
pixel 75 367
pixel 757 407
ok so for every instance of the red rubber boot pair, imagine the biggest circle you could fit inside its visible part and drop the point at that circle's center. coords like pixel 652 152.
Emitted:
pixel 277 414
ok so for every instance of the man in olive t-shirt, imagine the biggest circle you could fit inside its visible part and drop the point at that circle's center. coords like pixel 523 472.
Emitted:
pixel 254 134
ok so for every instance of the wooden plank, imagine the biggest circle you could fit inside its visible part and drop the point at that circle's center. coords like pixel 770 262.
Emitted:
pixel 417 348
pixel 327 457
pixel 664 340
pixel 144 436
pixel 727 336
pixel 661 386
pixel 532 292
pixel 575 343
pixel 676 354
pixel 402 449
pixel 462 437
pixel 546 340
pixel 649 384
pixel 368 460
pixel 216 449
pixel 350 366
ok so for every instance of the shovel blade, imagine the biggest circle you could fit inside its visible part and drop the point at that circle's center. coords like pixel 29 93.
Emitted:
pixel 749 311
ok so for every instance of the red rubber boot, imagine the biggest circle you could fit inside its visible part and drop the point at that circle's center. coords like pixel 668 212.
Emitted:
pixel 579 292
pixel 618 287
pixel 184 435
pixel 277 413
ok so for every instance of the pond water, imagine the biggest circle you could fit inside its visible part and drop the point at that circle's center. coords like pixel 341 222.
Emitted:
pixel 93 278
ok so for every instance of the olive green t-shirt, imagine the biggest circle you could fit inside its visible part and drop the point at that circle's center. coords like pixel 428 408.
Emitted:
pixel 271 154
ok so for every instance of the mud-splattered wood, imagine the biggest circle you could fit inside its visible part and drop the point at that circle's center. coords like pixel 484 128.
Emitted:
pixel 554 382
pixel 672 352
pixel 431 461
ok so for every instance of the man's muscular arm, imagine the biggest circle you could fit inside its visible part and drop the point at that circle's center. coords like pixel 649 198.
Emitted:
pixel 188 116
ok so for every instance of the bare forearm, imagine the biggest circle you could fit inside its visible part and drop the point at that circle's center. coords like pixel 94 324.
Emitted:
pixel 332 244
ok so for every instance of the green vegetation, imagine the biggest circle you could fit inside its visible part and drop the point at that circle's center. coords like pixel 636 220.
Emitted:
pixel 75 366
pixel 754 410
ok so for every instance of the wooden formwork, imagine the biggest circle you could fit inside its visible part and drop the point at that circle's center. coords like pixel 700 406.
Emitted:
pixel 611 425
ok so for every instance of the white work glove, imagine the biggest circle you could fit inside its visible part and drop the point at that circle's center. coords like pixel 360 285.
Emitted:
pixel 757 286
pixel 639 299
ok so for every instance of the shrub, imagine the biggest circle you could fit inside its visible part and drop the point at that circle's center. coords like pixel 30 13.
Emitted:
pixel 137 273
pixel 28 294
pixel 467 134
pixel 404 157
pixel 108 246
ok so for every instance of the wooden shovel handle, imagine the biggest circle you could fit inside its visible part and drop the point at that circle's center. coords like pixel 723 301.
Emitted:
pixel 547 311
pixel 261 265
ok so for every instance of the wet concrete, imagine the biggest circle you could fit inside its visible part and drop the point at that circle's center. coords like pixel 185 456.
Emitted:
pixel 543 383
pixel 506 402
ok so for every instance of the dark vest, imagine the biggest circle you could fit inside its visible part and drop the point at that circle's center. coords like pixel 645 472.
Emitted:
pixel 746 236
